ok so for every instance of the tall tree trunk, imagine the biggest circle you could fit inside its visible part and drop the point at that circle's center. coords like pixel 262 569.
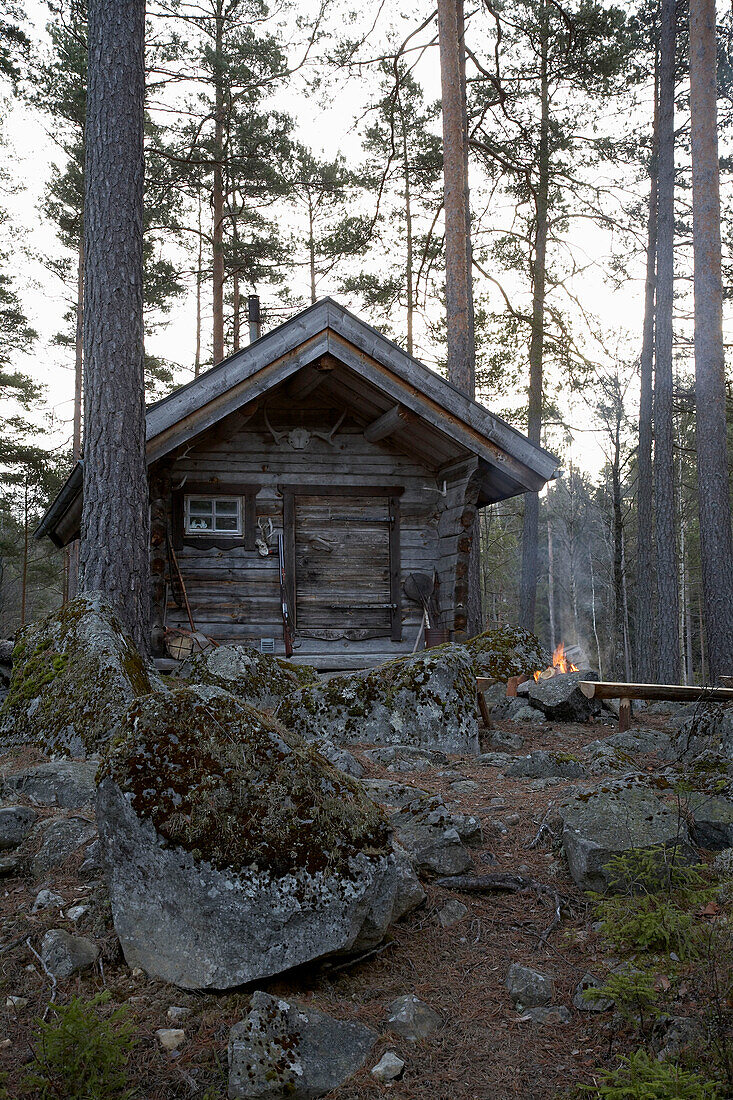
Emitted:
pixel 72 576
pixel 551 580
pixel 716 543
pixel 461 352
pixel 618 553
pixel 668 639
pixel 409 274
pixel 312 250
pixel 218 195
pixel 593 617
pixel 199 280
pixel 236 299
pixel 530 525
pixel 115 540
pixel 24 572
pixel 646 633
pixel 628 663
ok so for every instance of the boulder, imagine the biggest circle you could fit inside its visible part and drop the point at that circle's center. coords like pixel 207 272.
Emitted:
pixel 507 651
pixel 257 678
pixel 434 837
pixel 274 858
pixel 586 1000
pixel 47 899
pixel 69 784
pixel 546 765
pixel 452 912
pixel 709 728
pixel 501 739
pixel 64 954
pixel 412 1018
pixel 406 758
pixel 386 793
pixel 427 700
pixel 521 711
pixel 529 988
pixel 61 838
pixel 712 820
pixel 341 758
pixel 678 1038
pixel 388 1068
pixel 74 674
pixel 614 818
pixel 15 824
pixel 283 1050
pixel 560 698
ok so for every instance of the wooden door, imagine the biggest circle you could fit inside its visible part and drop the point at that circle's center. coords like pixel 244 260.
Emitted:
pixel 342 566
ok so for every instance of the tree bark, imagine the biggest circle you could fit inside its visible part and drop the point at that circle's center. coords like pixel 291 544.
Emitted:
pixel 218 197
pixel 668 639
pixel 551 581
pixel 72 576
pixel 530 525
pixel 114 548
pixel 646 634
pixel 716 543
pixel 618 552
pixel 461 352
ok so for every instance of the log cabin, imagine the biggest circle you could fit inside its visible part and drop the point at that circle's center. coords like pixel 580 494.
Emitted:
pixel 366 466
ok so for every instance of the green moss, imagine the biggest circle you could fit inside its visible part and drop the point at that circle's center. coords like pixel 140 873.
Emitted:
pixel 507 651
pixel 233 786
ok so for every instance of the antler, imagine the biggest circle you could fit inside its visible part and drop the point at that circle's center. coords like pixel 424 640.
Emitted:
pixel 277 436
pixel 329 438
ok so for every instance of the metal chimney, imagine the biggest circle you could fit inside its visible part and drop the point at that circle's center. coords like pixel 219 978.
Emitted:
pixel 253 317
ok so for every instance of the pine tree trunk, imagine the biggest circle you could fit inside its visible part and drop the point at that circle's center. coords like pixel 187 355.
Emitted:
pixel 409 275
pixel 218 198
pixel 115 542
pixel 461 354
pixel 668 639
pixel 530 526
pixel 646 634
pixel 716 544
pixel 618 582
pixel 24 571
pixel 72 575
pixel 551 580
pixel 312 251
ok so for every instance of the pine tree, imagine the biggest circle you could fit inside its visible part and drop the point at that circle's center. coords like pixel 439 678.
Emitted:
pixel 115 535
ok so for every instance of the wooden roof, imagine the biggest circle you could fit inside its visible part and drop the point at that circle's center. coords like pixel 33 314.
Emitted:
pixel 362 369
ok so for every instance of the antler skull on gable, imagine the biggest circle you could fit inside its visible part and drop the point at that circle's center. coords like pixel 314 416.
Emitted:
pixel 299 438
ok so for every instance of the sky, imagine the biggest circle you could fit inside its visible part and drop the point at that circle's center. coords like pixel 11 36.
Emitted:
pixel 329 128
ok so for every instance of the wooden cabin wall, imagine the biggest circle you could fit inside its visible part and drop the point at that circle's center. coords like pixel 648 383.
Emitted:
pixel 234 593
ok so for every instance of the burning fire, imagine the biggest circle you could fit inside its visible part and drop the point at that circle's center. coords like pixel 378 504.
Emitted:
pixel 560 664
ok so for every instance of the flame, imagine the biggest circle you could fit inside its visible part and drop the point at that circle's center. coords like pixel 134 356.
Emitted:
pixel 560 664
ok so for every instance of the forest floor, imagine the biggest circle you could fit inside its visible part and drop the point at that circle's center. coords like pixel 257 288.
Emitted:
pixel 485 1049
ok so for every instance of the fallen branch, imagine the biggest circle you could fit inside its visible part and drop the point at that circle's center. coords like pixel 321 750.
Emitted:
pixel 51 977
pixel 544 827
pixel 506 882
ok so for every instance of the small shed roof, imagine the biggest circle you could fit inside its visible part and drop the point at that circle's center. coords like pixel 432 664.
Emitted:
pixel 364 369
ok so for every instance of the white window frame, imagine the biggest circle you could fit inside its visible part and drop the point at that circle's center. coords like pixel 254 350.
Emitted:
pixel 215 532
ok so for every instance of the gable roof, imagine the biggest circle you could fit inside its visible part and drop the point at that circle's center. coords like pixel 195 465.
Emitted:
pixel 328 329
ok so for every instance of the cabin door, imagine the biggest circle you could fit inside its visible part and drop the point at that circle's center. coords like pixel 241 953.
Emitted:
pixel 342 566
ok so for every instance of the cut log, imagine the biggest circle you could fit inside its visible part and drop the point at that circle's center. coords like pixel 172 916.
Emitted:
pixel 386 424
pixel 605 689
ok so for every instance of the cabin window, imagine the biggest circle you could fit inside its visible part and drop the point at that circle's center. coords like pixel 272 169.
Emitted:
pixel 213 515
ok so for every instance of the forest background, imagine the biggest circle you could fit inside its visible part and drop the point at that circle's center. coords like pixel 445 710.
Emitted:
pixel 295 152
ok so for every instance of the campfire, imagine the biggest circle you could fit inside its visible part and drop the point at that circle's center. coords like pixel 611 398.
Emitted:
pixel 560 664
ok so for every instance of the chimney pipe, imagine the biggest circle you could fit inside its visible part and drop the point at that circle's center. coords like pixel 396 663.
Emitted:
pixel 253 317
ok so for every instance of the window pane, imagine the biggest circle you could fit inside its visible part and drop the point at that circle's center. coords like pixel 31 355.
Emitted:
pixel 226 523
pixel 200 507
pixel 226 507
pixel 200 523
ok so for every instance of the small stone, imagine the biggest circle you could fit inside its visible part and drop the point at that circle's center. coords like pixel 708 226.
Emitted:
pixel 9 864
pixel 548 1014
pixel 389 1067
pixel 528 988
pixel 170 1038
pixel 64 955
pixel 412 1018
pixel 452 912
pixel 464 786
pixel 585 1003
pixel 16 1003
pixel 47 899
pixel 5 1044
pixel 138 973
pixel 512 819
pixel 76 912
pixel 61 838
pixel 178 1012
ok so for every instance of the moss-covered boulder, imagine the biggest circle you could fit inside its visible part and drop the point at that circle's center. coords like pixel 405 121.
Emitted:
pixel 507 651
pixel 74 673
pixel 233 850
pixel 427 700
pixel 257 678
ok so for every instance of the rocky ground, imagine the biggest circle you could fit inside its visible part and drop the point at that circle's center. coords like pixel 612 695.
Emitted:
pixel 468 1037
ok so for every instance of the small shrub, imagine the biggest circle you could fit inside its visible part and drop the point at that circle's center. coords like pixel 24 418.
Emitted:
pixel 640 1077
pixel 80 1054
pixel 633 992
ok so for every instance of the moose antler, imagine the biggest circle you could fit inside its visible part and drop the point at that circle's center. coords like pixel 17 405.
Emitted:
pixel 329 438
pixel 277 436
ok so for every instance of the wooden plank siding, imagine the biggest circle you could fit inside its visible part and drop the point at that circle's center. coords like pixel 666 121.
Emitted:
pixel 344 493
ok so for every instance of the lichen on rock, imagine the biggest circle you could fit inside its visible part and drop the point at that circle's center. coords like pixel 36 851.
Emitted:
pixel 428 700
pixel 273 856
pixel 74 673
pixel 507 651
pixel 257 678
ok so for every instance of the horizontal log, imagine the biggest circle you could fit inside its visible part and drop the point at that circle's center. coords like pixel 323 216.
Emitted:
pixel 606 689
